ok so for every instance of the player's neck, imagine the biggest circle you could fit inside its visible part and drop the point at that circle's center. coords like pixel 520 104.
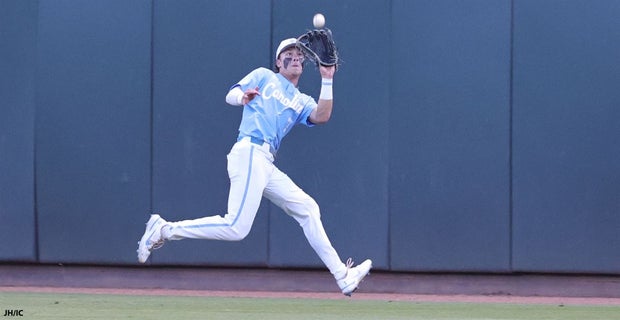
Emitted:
pixel 294 79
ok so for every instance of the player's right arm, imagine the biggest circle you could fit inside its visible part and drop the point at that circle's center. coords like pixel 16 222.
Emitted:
pixel 237 97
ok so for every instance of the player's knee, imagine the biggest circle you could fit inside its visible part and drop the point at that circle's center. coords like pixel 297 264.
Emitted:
pixel 312 209
pixel 238 234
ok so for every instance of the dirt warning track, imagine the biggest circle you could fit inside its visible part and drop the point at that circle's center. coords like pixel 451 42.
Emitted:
pixel 223 282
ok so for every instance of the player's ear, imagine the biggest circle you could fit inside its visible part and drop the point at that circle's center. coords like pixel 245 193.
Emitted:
pixel 276 66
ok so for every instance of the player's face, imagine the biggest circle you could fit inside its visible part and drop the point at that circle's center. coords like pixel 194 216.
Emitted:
pixel 291 61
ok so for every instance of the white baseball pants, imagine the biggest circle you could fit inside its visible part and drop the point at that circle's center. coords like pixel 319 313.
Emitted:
pixel 253 175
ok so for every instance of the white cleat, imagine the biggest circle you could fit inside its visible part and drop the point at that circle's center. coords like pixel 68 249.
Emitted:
pixel 354 276
pixel 151 239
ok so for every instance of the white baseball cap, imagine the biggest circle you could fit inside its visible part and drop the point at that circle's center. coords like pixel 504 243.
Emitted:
pixel 285 44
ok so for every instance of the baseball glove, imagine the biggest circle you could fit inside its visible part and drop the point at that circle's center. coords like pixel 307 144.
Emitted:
pixel 319 47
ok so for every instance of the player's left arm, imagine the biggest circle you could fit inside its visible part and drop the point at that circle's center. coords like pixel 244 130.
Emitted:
pixel 323 111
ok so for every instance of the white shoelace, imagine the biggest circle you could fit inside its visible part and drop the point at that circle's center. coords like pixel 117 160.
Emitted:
pixel 349 263
pixel 158 244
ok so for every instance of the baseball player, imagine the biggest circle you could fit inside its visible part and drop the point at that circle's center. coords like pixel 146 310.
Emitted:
pixel 272 105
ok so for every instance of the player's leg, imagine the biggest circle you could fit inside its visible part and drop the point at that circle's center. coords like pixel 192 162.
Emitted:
pixel 249 171
pixel 284 193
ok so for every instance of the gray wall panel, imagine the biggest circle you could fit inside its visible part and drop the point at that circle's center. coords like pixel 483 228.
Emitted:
pixel 18 25
pixel 342 164
pixel 449 135
pixel 93 129
pixel 566 136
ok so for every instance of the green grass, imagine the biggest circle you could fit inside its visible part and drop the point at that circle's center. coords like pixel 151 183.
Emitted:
pixel 106 306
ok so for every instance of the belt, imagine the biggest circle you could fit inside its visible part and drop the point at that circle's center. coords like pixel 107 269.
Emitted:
pixel 262 143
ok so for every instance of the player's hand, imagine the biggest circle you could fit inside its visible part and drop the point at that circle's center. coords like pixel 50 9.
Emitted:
pixel 249 95
pixel 327 72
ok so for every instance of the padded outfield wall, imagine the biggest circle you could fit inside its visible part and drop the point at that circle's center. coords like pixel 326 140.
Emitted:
pixel 467 136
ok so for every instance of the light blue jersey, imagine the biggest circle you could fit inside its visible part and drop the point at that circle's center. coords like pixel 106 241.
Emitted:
pixel 273 113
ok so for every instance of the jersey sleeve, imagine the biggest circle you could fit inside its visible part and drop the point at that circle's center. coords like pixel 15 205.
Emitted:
pixel 252 79
pixel 309 106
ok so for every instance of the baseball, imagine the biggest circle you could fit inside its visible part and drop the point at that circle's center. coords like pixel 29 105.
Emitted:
pixel 318 21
